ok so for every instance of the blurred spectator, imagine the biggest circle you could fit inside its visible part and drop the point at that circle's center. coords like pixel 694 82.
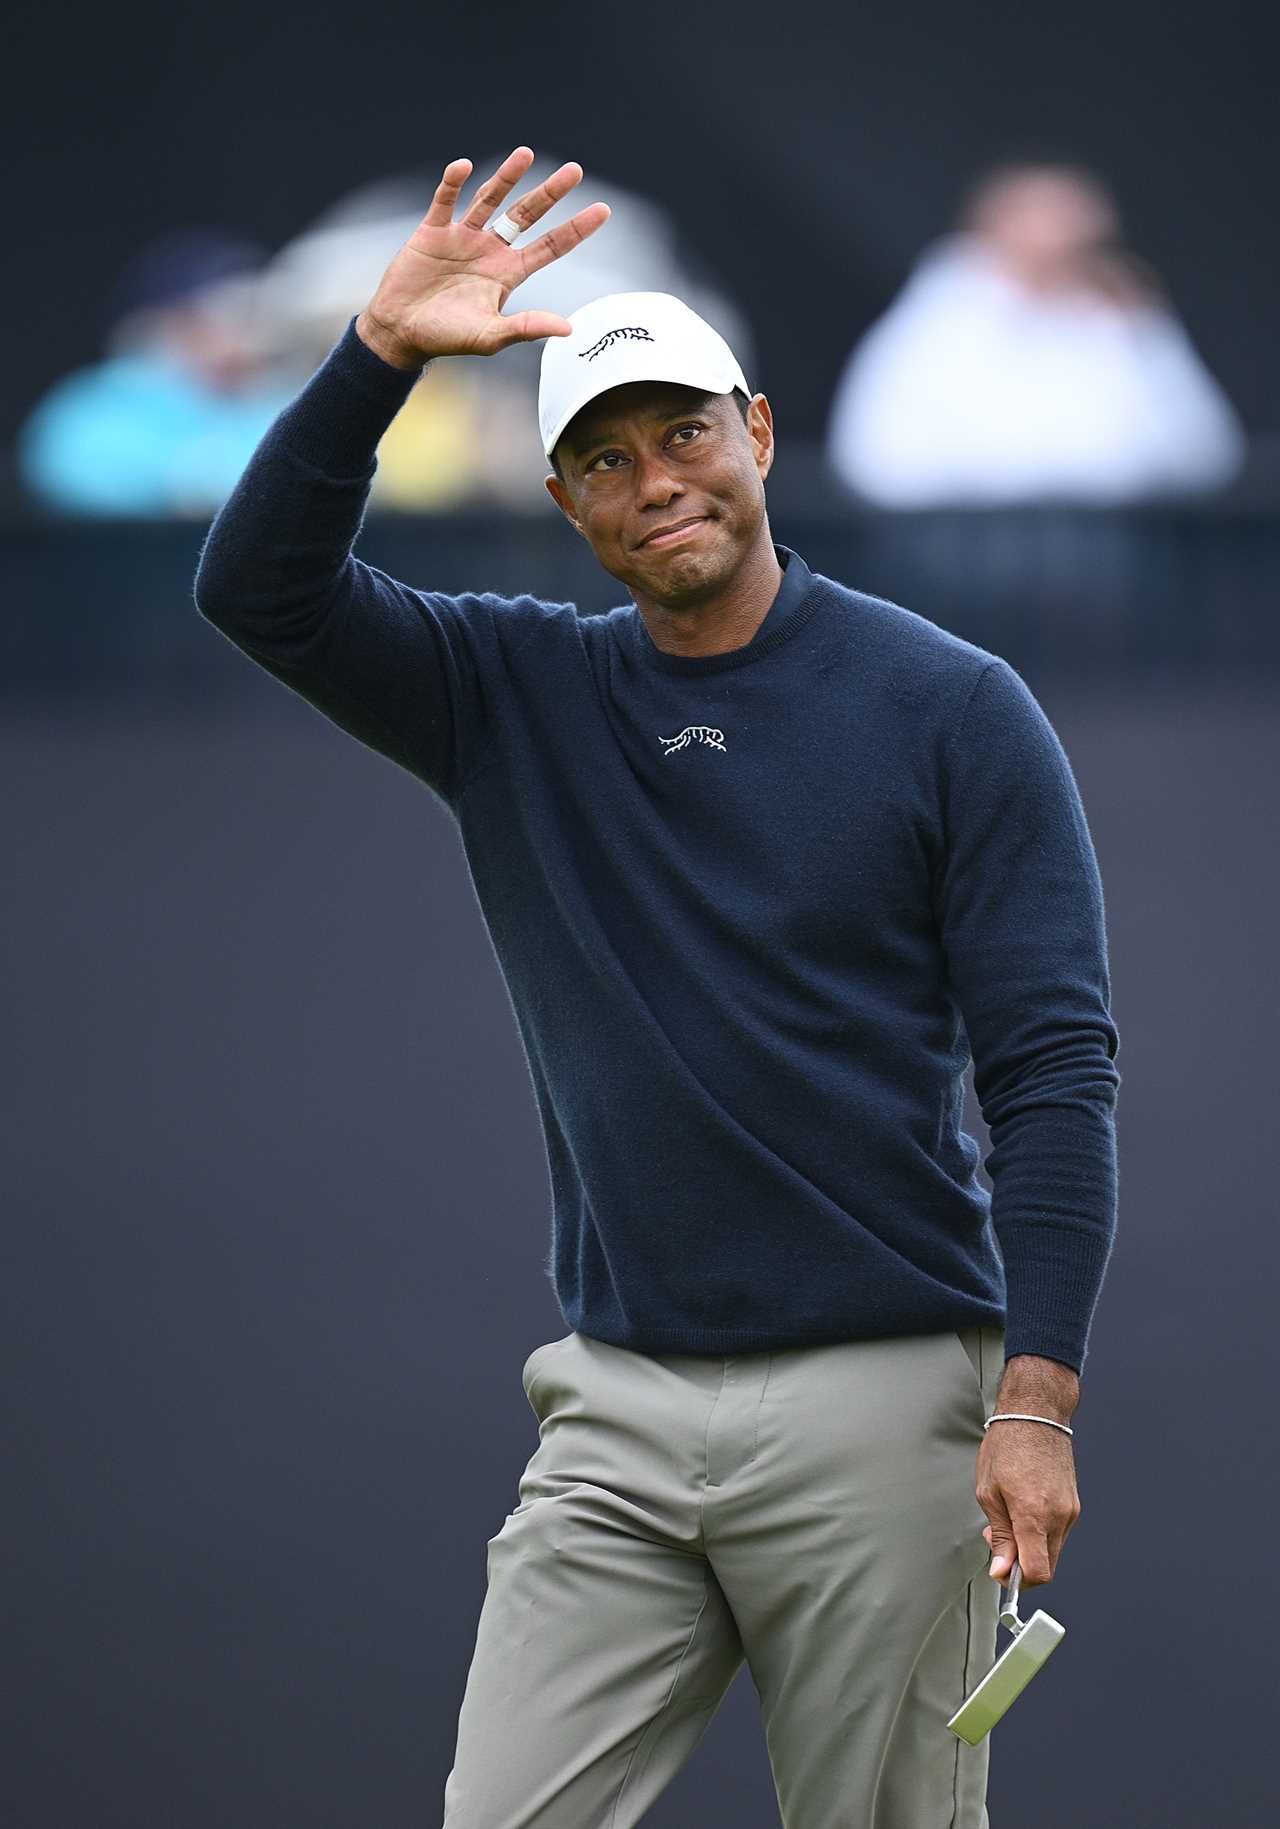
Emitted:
pixel 1029 355
pixel 167 422
pixel 469 434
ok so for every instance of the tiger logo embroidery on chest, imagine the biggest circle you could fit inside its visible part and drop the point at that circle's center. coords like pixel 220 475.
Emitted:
pixel 693 733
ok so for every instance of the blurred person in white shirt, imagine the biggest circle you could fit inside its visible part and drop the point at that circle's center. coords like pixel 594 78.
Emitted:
pixel 1029 356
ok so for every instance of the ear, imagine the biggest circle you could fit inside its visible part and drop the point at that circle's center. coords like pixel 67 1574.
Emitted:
pixel 563 501
pixel 760 432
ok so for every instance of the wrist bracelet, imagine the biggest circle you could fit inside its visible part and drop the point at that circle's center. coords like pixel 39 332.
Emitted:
pixel 1020 1416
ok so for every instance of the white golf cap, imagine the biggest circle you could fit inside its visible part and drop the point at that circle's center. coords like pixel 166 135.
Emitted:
pixel 630 336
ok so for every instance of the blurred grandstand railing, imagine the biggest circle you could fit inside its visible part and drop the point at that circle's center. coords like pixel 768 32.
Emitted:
pixel 1056 590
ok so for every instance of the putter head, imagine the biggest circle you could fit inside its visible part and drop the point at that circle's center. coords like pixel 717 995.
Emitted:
pixel 1007 1678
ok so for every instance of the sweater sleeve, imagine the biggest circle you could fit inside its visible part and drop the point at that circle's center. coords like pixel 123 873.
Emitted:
pixel 1023 928
pixel 395 667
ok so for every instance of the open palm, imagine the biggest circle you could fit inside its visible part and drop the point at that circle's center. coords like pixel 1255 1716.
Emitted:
pixel 444 292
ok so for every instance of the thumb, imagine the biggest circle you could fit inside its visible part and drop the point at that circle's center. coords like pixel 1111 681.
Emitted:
pixel 1004 1548
pixel 528 326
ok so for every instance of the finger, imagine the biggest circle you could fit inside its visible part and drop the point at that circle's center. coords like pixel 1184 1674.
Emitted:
pixel 1033 1554
pixel 496 189
pixel 1053 1550
pixel 1003 1552
pixel 526 210
pixel 1058 1537
pixel 456 173
pixel 998 1531
pixel 528 326
pixel 563 238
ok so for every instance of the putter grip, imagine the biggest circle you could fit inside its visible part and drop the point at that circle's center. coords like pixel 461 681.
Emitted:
pixel 1009 1607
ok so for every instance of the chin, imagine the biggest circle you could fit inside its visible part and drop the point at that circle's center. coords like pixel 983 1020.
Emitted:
pixel 685 572
pixel 684 575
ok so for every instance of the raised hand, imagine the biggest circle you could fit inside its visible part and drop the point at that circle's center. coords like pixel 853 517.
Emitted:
pixel 443 293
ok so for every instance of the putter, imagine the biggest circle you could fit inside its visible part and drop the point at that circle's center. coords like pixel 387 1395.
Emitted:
pixel 1033 1640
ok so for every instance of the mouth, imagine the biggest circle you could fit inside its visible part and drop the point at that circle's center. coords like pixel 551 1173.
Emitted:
pixel 677 530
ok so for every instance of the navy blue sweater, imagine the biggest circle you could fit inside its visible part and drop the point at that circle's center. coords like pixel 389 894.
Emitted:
pixel 753 909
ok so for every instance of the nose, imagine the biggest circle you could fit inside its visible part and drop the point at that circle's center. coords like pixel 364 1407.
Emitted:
pixel 655 485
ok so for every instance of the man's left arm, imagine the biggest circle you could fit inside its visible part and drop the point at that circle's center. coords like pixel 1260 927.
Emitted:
pixel 1022 921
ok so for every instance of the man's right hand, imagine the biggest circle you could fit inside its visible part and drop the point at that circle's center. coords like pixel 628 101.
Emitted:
pixel 443 293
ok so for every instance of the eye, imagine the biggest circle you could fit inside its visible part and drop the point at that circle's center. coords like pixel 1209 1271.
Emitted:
pixel 678 436
pixel 604 461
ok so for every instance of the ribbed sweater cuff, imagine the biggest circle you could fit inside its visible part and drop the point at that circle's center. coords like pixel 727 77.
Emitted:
pixel 1052 1278
pixel 337 420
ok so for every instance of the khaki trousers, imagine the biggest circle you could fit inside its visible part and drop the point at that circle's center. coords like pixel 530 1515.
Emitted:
pixel 811 1511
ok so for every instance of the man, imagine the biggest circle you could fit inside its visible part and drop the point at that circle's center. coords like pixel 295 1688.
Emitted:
pixel 754 851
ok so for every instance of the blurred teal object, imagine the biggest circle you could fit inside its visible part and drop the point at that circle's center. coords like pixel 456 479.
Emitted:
pixel 141 435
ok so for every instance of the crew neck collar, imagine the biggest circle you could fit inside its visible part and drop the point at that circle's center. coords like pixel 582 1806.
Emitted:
pixel 794 604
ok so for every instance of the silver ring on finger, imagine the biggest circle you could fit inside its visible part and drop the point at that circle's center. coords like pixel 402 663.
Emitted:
pixel 504 228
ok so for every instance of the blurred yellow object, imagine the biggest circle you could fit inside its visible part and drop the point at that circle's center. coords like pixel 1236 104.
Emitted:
pixel 429 457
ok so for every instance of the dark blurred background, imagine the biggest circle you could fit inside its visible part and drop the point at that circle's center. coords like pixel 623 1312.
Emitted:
pixel 809 154
pixel 274 1193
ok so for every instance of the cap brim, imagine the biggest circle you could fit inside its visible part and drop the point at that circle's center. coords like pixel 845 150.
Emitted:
pixel 638 364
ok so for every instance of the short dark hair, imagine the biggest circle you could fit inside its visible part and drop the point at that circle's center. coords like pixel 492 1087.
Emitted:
pixel 743 404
